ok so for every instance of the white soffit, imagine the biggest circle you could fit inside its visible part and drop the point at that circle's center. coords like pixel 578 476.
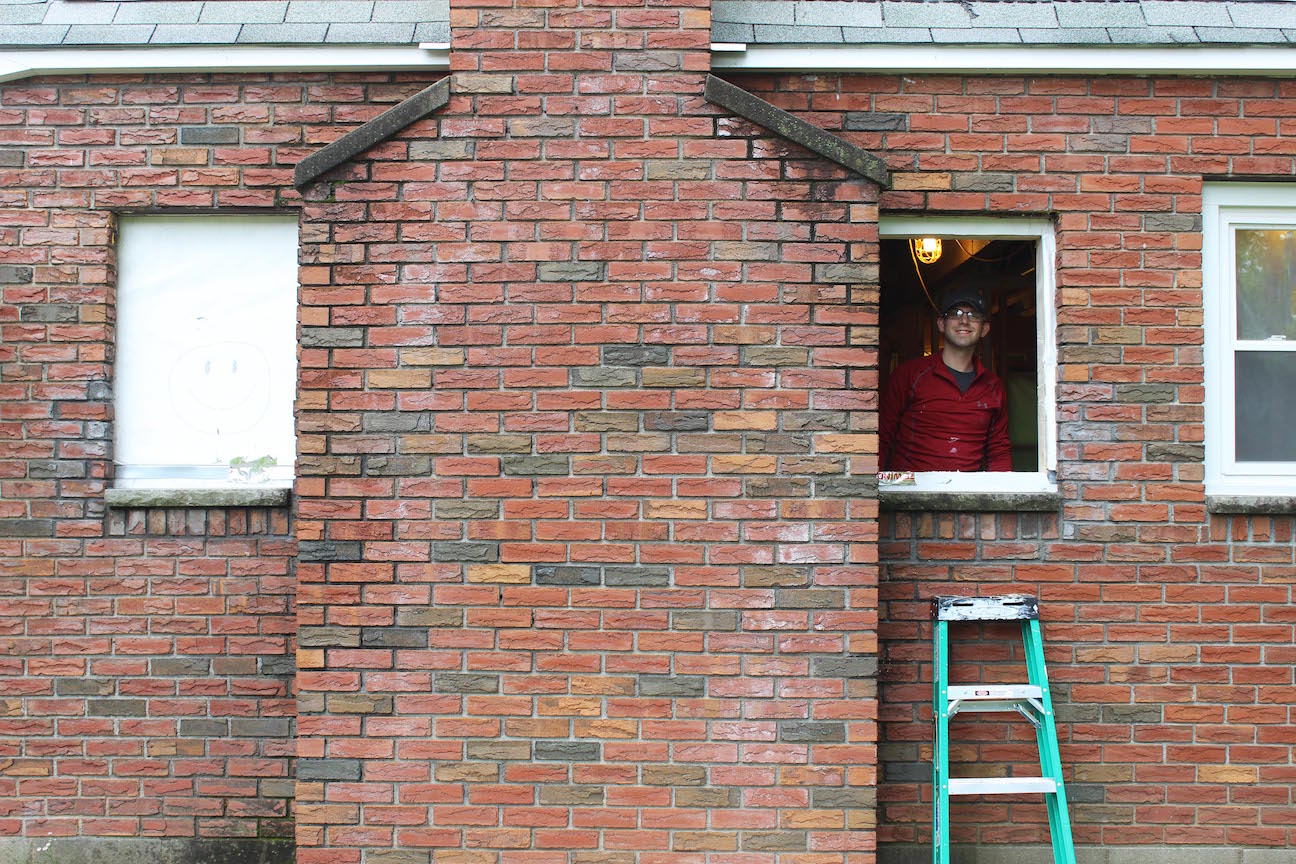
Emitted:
pixel 1007 59
pixel 226 58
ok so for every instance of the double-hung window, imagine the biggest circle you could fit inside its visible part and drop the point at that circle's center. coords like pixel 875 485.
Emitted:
pixel 1249 299
pixel 206 346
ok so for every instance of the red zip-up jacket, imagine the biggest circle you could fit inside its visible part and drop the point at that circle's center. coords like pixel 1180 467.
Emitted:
pixel 926 424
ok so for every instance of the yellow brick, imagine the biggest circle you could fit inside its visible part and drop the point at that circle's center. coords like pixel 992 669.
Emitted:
pixel 511 574
pixel 675 510
pixel 430 443
pixel 763 420
pixel 744 464
pixel 399 379
pixel 310 658
pixel 1225 774
pixel 846 443
pixel 432 356
pixel 564 706
pixel 934 180
pixel 606 728
pixel 1075 372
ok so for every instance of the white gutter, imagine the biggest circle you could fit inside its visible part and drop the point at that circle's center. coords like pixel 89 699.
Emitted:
pixel 1008 59
pixel 222 58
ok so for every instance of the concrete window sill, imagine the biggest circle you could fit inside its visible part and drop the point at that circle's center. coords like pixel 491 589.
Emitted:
pixel 970 502
pixel 137 499
pixel 1256 505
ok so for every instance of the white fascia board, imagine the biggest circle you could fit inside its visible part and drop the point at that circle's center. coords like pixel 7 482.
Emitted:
pixel 224 58
pixel 1010 59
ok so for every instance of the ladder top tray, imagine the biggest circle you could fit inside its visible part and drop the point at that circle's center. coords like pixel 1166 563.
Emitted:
pixel 1005 607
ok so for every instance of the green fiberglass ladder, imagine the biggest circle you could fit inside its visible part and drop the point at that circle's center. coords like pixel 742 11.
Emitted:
pixel 1031 700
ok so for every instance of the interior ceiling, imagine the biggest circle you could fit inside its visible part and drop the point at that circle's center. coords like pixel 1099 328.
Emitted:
pixel 1008 264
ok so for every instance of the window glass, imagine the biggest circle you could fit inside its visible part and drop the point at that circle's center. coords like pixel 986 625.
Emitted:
pixel 1265 398
pixel 206 350
pixel 1266 283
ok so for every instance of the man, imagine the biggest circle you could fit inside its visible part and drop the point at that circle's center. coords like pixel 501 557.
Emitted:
pixel 947 412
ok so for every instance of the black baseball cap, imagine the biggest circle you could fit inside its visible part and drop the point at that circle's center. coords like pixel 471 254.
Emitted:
pixel 963 295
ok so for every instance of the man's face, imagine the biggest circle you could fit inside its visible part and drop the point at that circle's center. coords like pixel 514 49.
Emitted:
pixel 963 326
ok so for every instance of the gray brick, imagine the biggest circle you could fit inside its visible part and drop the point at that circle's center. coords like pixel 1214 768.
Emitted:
pixel 328 769
pixel 398 466
pixel 374 422
pixel 865 273
pixel 36 34
pixel 846 487
pixel 195 34
pixel 394 637
pixel 587 796
pixel 1012 15
pixel 61 12
pixel 532 466
pixel 26 527
pixel 500 751
pixel 117 707
pixel 912 772
pixel 767 442
pixel 685 686
pixel 260 727
pixel 467 509
pixel 677 421
pixel 832 13
pixel 370 33
pixel 279 664
pixel 465 552
pixel 201 727
pixel 413 11
pixel 657 577
pixel 450 149
pixel 593 376
pixel 906 14
pixel 456 682
pixel 1172 222
pixel 984 182
pixel 1186 13
pixel 240 12
pixel 167 667
pixel 284 34
pixel 1175 452
pixel 800 730
pixel 10 157
pixel 1131 714
pixel 330 11
pixel 550 574
pixel 332 337
pixel 209 134
pixel 845 667
pixel 427 616
pixel 1145 393
pixel 567 751
pixel 570 271
pixel 122 34
pixel 329 550
pixel 842 799
pixel 708 621
pixel 774 841
pixel 158 13
pixel 636 355
pixel 329 637
pixel 814 421
pixel 84 686
pixel 874 121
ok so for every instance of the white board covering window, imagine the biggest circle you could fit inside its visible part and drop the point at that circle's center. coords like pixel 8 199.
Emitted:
pixel 1249 299
pixel 206 351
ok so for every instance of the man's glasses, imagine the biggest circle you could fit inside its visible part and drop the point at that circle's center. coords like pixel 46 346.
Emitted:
pixel 965 315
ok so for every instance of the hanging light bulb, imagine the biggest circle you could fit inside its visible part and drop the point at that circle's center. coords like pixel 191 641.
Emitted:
pixel 927 249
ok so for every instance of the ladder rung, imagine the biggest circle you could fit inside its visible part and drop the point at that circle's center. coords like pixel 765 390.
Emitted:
pixel 1001 785
pixel 993 692
pixel 1006 607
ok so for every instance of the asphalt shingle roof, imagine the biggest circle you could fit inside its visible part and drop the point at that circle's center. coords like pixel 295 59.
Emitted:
pixel 34 23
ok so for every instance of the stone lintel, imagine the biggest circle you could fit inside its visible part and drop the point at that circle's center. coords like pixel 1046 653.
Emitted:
pixel 376 131
pixel 816 140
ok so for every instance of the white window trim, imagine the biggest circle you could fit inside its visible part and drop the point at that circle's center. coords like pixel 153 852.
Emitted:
pixel 1010 228
pixel 1225 205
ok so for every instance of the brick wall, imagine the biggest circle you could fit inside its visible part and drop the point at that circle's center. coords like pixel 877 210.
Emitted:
pixel 1170 631
pixel 145 665
pixel 587 518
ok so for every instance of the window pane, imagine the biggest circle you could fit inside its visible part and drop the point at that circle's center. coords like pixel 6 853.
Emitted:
pixel 1265 387
pixel 1266 283
pixel 206 348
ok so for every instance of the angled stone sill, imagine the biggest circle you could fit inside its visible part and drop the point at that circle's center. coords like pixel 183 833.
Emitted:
pixel 144 498
pixel 1255 505
pixel 969 502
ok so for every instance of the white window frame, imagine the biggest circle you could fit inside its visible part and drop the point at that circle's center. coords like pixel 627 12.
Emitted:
pixel 183 279
pixel 1225 207
pixel 1040 231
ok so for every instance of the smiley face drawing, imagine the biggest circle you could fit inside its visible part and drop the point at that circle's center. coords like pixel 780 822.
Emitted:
pixel 221 388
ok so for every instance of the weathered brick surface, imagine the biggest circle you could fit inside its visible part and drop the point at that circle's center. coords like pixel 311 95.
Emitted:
pixel 595 360
pixel 145 656
pixel 1170 632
